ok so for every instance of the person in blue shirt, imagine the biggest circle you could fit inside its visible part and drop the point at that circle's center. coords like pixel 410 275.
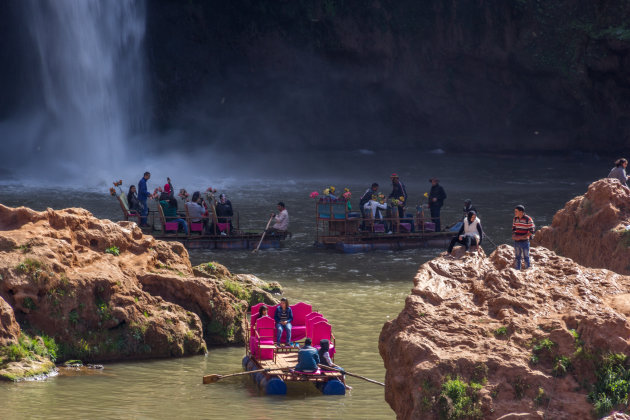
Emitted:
pixel 308 358
pixel 283 318
pixel 143 194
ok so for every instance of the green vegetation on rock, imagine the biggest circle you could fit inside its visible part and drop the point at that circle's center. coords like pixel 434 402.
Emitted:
pixel 30 356
pixel 613 384
pixel 460 400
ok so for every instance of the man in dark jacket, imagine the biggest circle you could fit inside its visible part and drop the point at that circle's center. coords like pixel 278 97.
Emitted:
pixel 436 201
pixel 308 358
pixel 399 192
pixel 143 194
pixel 366 197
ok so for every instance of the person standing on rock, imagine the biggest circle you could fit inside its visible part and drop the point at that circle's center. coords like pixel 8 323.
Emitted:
pixel 437 195
pixel 619 171
pixel 522 230
pixel 143 194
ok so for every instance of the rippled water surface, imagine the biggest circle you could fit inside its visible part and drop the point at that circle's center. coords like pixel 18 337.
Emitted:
pixel 357 293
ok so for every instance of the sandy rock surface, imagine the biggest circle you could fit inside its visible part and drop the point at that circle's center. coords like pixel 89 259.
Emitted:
pixel 591 228
pixel 57 278
pixel 529 338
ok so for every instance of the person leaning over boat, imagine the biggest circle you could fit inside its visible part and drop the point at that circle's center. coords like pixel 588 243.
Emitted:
pixel 196 211
pixel 619 171
pixel 283 317
pixel 437 195
pixel 308 358
pixel 324 358
pixel 399 192
pixel 522 229
pixel 282 220
pixel 170 213
pixel 470 234
pixel 143 194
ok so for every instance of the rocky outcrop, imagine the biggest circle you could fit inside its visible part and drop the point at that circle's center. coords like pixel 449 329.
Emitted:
pixel 105 291
pixel 9 328
pixel 478 339
pixel 591 228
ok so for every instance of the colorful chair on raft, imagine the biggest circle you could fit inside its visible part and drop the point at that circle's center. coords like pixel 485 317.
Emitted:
pixel 124 205
pixel 167 226
pixel 322 330
pixel 261 341
pixel 194 226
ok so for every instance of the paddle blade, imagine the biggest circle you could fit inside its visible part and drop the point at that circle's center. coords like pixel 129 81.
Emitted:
pixel 210 379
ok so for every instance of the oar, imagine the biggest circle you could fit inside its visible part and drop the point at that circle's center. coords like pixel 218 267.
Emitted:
pixel 350 374
pixel 210 379
pixel 263 235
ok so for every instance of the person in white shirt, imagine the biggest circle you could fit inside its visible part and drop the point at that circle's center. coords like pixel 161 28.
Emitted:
pixel 196 211
pixel 282 220
pixel 470 234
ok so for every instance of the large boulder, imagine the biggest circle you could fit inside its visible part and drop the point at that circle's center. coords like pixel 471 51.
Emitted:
pixel 105 291
pixel 592 228
pixel 9 328
pixel 477 338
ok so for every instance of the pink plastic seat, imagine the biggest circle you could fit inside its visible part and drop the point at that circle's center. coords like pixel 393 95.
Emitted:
pixel 429 227
pixel 311 322
pixel 323 331
pixel 256 308
pixel 317 372
pixel 224 227
pixel 405 227
pixel 379 227
pixel 263 334
pixel 196 227
pixel 298 325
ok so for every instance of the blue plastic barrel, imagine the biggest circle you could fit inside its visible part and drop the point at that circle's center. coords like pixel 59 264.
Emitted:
pixel 334 387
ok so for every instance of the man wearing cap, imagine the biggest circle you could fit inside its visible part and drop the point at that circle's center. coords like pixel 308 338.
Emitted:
pixel 437 195
pixel 522 229
pixel 399 192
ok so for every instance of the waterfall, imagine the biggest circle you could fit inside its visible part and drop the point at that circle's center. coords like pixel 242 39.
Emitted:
pixel 91 61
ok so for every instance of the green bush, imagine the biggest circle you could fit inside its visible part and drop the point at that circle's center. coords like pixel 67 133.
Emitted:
pixel 612 386
pixel 460 400
pixel 113 250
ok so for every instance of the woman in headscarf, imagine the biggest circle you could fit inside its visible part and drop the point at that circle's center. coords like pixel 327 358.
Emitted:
pixel 324 358
pixel 470 234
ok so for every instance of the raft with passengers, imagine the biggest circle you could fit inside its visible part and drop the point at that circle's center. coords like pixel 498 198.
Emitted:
pixel 382 223
pixel 303 352
pixel 208 223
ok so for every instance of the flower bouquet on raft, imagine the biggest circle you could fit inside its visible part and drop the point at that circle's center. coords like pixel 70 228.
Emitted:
pixel 210 192
pixel 112 190
pixel 183 194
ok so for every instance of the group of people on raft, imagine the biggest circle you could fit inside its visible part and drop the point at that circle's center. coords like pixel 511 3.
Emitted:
pixel 308 356
pixel 197 208
pixel 372 202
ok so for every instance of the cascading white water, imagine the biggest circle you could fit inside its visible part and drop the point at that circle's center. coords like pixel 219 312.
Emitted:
pixel 92 71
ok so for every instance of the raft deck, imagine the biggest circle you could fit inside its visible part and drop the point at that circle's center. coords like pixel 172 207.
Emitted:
pixel 287 358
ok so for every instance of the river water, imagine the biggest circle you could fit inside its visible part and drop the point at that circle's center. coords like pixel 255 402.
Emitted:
pixel 357 293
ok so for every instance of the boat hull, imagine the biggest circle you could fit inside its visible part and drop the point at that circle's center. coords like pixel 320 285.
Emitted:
pixel 356 244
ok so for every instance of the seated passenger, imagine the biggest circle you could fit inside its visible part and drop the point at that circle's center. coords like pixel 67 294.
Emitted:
pixel 224 211
pixel 308 358
pixel 196 211
pixel 133 202
pixel 168 192
pixel 262 311
pixel 469 234
pixel 283 317
pixel 170 213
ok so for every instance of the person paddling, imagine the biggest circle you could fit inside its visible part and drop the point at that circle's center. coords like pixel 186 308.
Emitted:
pixel 324 358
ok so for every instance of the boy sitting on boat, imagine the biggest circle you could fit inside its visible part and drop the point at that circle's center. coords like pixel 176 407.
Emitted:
pixel 308 358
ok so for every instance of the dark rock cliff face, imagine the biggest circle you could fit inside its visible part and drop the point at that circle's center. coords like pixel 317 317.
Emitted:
pixel 484 74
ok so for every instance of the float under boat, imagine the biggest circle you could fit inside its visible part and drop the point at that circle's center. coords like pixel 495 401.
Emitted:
pixel 342 230
pixel 225 235
pixel 278 359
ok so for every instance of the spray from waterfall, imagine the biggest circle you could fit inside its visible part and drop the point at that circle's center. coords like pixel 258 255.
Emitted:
pixel 90 59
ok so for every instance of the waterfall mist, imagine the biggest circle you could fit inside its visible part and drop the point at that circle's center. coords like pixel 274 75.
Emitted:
pixel 89 102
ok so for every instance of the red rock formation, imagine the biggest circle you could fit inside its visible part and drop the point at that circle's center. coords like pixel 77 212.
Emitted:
pixel 60 275
pixel 590 229
pixel 9 328
pixel 510 331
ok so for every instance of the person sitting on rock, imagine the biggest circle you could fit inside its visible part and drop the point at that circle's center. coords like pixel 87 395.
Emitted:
pixel 619 171
pixel 170 213
pixel 470 234
pixel 308 358
pixel 522 229
pixel 324 358
pixel 283 317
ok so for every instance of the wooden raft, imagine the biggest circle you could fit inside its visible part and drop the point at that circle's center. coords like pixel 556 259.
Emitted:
pixel 288 359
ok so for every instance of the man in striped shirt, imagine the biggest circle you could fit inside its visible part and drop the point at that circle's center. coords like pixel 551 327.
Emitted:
pixel 522 229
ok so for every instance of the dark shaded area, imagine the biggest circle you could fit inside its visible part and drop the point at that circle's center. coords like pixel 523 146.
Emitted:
pixel 474 75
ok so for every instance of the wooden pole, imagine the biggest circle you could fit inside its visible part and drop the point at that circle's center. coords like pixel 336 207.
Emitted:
pixel 325 367
pixel 263 236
